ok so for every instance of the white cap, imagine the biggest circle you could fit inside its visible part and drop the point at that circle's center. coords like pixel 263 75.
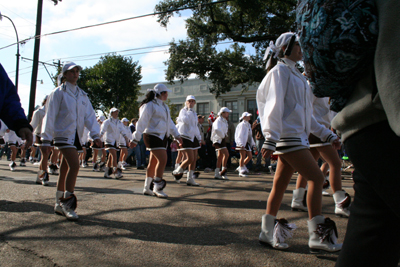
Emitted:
pixel 245 114
pixel 224 109
pixel 69 66
pixel 190 97
pixel 159 88
pixel 101 118
pixel 124 119
pixel 113 109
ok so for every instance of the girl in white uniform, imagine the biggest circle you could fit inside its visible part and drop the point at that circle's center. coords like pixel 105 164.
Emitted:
pixel 284 102
pixel 187 128
pixel 68 111
pixel 82 156
pixel 111 129
pixel 3 129
pixel 123 145
pixel 325 150
pixel 15 143
pixel 218 135
pixel 156 126
pixel 36 123
pixel 95 149
pixel 244 143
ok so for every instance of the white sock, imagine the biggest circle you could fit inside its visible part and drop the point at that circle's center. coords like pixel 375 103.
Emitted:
pixel 216 171
pixel 59 194
pixel 67 194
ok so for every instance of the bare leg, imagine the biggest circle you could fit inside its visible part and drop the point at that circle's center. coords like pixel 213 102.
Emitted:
pixel 329 154
pixel 305 164
pixel 160 156
pixel 43 160
pixel 301 181
pixel 68 170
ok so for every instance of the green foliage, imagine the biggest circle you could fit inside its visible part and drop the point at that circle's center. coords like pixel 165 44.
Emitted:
pixel 253 22
pixel 113 82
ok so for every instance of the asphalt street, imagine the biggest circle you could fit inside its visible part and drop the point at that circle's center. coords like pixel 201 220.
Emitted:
pixel 215 224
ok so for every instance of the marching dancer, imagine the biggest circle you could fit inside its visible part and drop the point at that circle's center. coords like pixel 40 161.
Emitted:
pixel 37 118
pixel 111 129
pixel 156 126
pixel 187 128
pixel 218 135
pixel 95 149
pixel 123 145
pixel 325 150
pixel 244 143
pixel 284 102
pixel 14 143
pixel 68 111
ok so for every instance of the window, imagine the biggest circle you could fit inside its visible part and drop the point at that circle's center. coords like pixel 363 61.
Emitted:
pixel 178 90
pixel 203 109
pixel 233 106
pixel 203 88
pixel 252 108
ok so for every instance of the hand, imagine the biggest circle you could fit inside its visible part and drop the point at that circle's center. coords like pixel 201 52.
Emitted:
pixel 132 145
pixel 266 153
pixel 98 143
pixel 8 130
pixel 26 134
pixel 180 142
pixel 337 144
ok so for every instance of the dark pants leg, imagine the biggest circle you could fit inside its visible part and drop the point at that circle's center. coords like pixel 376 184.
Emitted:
pixel 373 231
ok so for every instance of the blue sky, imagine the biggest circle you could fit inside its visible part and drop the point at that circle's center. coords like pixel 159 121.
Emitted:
pixel 77 46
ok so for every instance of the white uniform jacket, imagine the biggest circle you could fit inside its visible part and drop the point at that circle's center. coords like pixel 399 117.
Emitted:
pixel 154 119
pixel 111 129
pixel 12 138
pixel 187 124
pixel 219 130
pixel 37 119
pixel 284 102
pixel 3 128
pixel 127 132
pixel 321 112
pixel 67 114
pixel 85 136
pixel 201 131
pixel 244 135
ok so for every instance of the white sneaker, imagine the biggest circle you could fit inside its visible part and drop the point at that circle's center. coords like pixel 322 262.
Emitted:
pixel 68 206
pixel 237 169
pixel 58 210
pixel 107 172
pixel 324 193
pixel 243 174
pixel 118 174
pixel 12 166
pixel 45 179
pixel 158 189
pixel 22 163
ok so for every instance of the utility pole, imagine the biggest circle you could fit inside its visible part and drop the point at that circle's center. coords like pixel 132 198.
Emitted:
pixel 35 65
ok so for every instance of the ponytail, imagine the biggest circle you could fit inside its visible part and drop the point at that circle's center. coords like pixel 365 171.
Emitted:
pixel 149 97
pixel 273 61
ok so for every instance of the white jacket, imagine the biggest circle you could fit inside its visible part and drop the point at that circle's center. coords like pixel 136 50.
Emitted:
pixel 219 130
pixel 154 119
pixel 284 102
pixel 85 136
pixel 321 111
pixel 244 134
pixel 127 132
pixel 111 129
pixel 66 114
pixel 37 119
pixel 3 128
pixel 187 124
pixel 12 138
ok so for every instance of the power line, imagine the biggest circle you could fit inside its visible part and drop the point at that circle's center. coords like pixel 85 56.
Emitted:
pixel 116 21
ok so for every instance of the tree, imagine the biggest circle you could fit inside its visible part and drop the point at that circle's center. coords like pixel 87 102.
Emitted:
pixel 113 82
pixel 253 22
